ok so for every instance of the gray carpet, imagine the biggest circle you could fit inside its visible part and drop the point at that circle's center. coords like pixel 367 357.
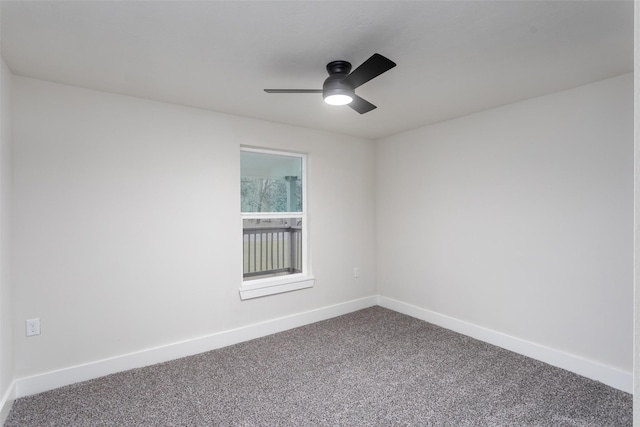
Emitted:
pixel 373 367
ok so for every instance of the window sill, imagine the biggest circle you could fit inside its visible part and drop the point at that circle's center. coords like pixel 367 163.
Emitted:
pixel 275 285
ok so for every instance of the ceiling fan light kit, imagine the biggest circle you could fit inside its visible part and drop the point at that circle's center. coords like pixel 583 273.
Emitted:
pixel 339 87
pixel 334 98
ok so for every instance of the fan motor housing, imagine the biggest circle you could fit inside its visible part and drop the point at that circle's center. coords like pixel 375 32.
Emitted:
pixel 334 84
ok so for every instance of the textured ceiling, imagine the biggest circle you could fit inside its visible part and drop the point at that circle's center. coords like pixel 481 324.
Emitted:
pixel 453 57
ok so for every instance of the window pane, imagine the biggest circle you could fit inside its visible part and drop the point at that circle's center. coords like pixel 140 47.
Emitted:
pixel 271 247
pixel 270 182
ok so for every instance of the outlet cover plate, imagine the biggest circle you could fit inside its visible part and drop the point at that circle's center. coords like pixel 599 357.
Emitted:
pixel 33 327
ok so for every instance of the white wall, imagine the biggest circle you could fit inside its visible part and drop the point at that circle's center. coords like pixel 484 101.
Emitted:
pixel 127 227
pixel 6 343
pixel 518 219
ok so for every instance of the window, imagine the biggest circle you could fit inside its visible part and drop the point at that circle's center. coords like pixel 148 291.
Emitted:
pixel 273 211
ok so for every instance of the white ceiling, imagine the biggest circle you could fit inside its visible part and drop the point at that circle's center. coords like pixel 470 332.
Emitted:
pixel 453 57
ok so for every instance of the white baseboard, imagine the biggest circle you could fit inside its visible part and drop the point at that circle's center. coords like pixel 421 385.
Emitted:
pixel 54 379
pixel 579 365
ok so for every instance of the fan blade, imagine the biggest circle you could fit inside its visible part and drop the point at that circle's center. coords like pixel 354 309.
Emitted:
pixel 360 105
pixel 293 90
pixel 369 69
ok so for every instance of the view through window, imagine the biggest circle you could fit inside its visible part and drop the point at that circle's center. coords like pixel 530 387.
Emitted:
pixel 272 205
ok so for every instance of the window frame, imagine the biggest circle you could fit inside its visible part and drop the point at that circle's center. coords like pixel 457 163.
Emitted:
pixel 259 287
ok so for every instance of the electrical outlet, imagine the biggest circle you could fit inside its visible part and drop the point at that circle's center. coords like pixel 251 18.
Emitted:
pixel 33 327
pixel 356 273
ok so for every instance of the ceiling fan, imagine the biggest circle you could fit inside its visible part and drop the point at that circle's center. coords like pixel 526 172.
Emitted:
pixel 339 87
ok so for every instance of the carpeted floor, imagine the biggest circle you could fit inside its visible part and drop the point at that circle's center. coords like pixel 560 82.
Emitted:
pixel 373 367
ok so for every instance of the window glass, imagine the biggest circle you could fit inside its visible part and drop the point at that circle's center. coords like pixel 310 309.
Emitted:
pixel 270 182
pixel 271 247
pixel 273 216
